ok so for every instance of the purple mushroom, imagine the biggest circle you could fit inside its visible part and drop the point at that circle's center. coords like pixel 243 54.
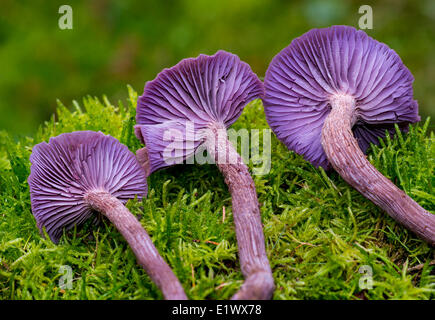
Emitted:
pixel 191 105
pixel 77 176
pixel 330 94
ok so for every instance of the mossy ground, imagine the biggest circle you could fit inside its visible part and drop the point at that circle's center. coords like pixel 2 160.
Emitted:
pixel 319 231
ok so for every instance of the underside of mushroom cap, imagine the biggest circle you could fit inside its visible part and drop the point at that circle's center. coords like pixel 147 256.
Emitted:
pixel 189 97
pixel 72 164
pixel 339 60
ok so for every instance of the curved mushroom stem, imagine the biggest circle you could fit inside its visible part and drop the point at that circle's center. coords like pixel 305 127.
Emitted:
pixel 139 241
pixel 349 161
pixel 259 283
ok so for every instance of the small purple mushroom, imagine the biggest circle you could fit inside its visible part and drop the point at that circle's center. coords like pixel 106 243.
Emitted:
pixel 199 98
pixel 330 94
pixel 78 175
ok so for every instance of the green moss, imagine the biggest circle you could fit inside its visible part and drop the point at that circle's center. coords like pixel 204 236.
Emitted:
pixel 319 231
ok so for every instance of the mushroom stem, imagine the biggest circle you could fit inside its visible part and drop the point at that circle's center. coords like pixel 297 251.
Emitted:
pixel 259 283
pixel 139 241
pixel 349 161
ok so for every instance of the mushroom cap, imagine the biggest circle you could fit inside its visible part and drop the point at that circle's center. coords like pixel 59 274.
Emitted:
pixel 337 60
pixel 198 91
pixel 72 164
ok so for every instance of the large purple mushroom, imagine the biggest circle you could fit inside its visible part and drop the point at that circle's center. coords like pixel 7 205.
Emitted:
pixel 76 176
pixel 191 105
pixel 330 94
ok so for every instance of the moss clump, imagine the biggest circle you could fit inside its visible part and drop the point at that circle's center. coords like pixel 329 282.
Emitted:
pixel 319 231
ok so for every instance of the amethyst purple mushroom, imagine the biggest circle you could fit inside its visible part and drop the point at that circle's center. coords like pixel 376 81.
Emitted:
pixel 191 105
pixel 77 176
pixel 331 93
pixel 327 96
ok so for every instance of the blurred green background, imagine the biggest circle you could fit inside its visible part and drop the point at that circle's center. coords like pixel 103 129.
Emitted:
pixel 114 43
